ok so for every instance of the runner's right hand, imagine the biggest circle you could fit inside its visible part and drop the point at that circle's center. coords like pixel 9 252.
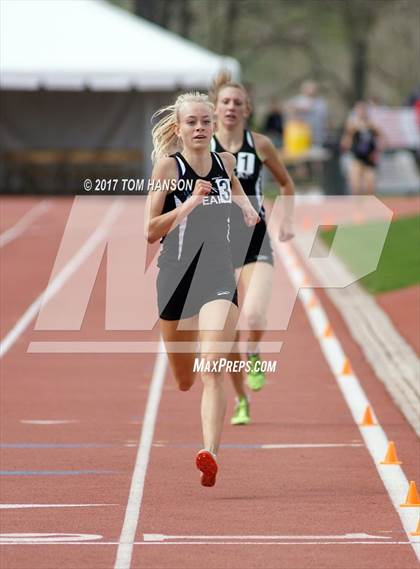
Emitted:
pixel 202 188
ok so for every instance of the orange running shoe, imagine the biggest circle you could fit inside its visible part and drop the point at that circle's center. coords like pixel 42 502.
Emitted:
pixel 206 462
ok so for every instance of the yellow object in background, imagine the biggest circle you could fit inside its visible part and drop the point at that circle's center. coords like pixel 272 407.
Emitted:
pixel 297 137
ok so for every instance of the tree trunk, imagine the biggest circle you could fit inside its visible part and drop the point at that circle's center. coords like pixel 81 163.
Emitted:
pixel 359 17
pixel 185 19
pixel 231 17
pixel 359 69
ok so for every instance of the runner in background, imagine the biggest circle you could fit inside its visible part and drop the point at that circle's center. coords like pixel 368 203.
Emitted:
pixel 251 250
pixel 363 140
pixel 273 124
pixel 196 281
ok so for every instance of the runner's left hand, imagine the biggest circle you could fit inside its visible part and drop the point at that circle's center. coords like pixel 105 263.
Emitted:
pixel 286 230
pixel 251 217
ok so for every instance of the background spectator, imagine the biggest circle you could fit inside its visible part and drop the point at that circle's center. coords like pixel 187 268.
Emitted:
pixel 273 124
pixel 313 109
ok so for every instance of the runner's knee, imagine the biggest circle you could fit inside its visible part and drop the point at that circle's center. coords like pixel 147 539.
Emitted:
pixel 184 380
pixel 212 371
pixel 256 320
pixel 185 386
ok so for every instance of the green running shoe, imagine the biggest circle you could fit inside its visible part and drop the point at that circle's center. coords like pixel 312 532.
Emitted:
pixel 241 413
pixel 255 379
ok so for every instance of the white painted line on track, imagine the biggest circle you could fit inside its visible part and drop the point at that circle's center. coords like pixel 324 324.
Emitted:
pixel 24 506
pixel 311 445
pixel 132 513
pixel 130 347
pixel 212 543
pixel 24 222
pixel 347 536
pixel 55 285
pixel 48 421
pixel 20 538
pixel 376 441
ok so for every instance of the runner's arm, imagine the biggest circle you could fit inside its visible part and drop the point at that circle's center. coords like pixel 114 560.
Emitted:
pixel 269 155
pixel 347 137
pixel 158 224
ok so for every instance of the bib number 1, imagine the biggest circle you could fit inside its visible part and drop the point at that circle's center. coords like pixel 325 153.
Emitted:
pixel 245 164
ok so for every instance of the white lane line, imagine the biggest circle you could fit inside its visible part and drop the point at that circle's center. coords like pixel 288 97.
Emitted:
pixel 348 536
pixel 160 444
pixel 212 543
pixel 55 285
pixel 375 438
pixel 46 537
pixel 132 513
pixel 131 347
pixel 21 506
pixel 48 421
pixel 24 222
pixel 312 445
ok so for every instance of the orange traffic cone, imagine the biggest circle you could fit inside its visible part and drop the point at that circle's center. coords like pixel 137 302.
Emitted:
pixel 413 498
pixel 346 368
pixel 313 302
pixel 328 223
pixel 367 420
pixel 358 218
pixel 306 224
pixel 417 530
pixel 328 332
pixel 305 281
pixel 391 455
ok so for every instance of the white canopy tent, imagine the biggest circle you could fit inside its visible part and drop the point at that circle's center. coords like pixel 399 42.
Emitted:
pixel 78 44
pixel 83 75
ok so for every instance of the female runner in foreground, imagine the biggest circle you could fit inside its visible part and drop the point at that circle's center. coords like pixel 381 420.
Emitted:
pixel 251 249
pixel 196 282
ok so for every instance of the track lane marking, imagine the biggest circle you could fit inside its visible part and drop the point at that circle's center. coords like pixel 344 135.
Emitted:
pixel 55 472
pixel 48 421
pixel 131 347
pixel 24 222
pixel 256 446
pixel 56 284
pixel 212 543
pixel 133 510
pixel 24 506
pixel 393 477
pixel 45 538
pixel 163 537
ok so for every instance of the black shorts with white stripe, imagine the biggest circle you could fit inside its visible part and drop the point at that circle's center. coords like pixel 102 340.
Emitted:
pixel 181 294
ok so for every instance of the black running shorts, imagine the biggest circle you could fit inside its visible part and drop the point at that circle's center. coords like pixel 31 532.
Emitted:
pixel 250 245
pixel 181 294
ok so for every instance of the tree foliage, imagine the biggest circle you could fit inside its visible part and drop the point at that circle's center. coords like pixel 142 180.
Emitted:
pixel 355 48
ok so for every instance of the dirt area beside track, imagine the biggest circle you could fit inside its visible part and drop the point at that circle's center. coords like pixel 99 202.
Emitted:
pixel 403 307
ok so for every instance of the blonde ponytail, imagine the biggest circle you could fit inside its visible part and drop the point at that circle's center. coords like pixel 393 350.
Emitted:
pixel 163 133
pixel 165 140
pixel 224 79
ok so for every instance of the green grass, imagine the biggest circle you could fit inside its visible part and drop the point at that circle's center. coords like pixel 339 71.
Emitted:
pixel 399 263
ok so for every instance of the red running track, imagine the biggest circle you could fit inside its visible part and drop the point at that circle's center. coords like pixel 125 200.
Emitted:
pixel 297 503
